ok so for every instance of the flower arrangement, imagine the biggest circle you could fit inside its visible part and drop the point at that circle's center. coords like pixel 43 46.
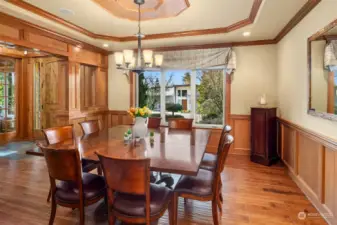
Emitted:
pixel 144 112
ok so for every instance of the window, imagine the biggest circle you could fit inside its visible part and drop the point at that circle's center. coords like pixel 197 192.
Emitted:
pixel 209 97
pixel 149 91
pixel 178 104
pixel 197 94
pixel 7 96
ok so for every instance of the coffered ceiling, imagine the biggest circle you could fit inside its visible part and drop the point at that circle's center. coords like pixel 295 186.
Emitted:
pixel 166 22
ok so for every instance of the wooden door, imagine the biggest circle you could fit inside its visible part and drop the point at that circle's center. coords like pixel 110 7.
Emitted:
pixel 52 92
pixel 184 104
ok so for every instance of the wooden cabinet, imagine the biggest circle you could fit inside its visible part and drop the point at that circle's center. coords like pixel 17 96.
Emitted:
pixel 263 136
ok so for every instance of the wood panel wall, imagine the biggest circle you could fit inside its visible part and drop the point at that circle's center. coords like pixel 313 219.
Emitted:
pixel 66 90
pixel 311 160
pixel 241 132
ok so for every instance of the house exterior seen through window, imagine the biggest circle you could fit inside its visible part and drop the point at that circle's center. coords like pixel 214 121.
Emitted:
pixel 197 94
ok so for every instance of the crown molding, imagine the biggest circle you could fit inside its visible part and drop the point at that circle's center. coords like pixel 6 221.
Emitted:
pixel 22 24
pixel 215 45
pixel 310 5
pixel 307 7
pixel 33 9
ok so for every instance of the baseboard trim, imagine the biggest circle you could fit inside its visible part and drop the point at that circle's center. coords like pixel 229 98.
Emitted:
pixel 312 197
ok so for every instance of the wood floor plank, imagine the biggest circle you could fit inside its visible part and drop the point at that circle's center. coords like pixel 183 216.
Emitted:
pixel 253 195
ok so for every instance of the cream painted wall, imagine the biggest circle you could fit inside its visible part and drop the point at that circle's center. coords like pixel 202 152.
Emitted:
pixel 319 77
pixel 118 87
pixel 255 76
pixel 293 84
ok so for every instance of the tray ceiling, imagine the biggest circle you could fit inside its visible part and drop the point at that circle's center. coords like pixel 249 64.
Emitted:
pixel 151 9
pixel 203 22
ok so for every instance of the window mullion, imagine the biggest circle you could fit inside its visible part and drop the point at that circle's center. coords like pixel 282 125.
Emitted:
pixel 6 94
pixel 193 93
pixel 162 96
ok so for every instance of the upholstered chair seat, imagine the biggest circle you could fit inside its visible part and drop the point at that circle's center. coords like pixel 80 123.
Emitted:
pixel 93 187
pixel 134 205
pixel 200 185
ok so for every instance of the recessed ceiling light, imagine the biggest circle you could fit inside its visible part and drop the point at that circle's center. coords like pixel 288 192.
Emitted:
pixel 105 45
pixel 246 34
pixel 66 12
pixel 25 52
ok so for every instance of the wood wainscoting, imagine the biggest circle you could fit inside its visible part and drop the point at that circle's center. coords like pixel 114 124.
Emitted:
pixel 312 163
pixel 107 118
pixel 241 132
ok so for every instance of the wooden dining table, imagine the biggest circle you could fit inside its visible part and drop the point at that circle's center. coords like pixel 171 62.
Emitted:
pixel 172 151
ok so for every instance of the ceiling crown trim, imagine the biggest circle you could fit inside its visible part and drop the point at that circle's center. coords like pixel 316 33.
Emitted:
pixel 240 24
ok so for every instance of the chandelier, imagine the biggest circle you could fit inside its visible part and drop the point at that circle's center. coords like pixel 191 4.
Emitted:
pixel 148 61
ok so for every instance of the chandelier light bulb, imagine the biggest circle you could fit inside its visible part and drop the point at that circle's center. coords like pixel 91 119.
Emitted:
pixel 158 60
pixel 128 56
pixel 119 58
pixel 147 56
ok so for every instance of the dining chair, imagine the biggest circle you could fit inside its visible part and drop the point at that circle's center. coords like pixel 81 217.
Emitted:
pixel 56 135
pixel 209 160
pixel 204 186
pixel 74 189
pixel 90 126
pixel 131 196
pixel 180 123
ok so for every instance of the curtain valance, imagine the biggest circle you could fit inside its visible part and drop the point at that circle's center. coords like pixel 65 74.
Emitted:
pixel 200 59
pixel 330 55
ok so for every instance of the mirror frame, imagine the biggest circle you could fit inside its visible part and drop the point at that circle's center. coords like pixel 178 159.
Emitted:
pixel 318 36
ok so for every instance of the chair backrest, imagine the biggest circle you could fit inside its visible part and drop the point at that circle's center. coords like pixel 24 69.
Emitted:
pixel 225 130
pixel 55 135
pixel 63 164
pixel 180 123
pixel 90 126
pixel 130 176
pixel 227 140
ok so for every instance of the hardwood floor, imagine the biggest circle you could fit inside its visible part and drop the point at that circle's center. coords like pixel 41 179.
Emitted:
pixel 253 194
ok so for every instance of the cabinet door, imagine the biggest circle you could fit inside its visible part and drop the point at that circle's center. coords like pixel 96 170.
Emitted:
pixel 259 133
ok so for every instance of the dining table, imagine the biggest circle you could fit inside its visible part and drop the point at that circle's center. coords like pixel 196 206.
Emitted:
pixel 171 151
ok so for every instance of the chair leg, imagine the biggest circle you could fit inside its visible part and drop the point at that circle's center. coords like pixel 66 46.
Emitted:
pixel 219 206
pixel 49 195
pixel 53 212
pixel 171 213
pixel 82 215
pixel 215 212
pixel 220 198
pixel 175 208
pixel 99 170
pixel 112 219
